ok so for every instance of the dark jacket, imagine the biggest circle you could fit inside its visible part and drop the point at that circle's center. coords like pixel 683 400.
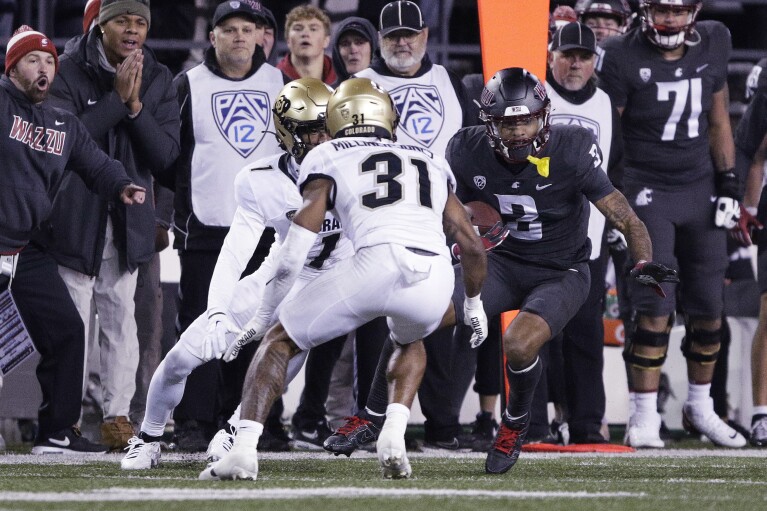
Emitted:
pixel 40 144
pixel 145 145
pixel 360 25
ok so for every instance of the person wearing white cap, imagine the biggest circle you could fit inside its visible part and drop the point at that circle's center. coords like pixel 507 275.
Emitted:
pixel 42 145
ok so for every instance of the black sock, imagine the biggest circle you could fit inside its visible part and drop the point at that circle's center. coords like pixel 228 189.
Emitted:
pixel 149 438
pixel 522 388
pixel 378 398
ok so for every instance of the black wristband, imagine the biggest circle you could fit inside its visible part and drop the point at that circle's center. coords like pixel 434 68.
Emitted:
pixel 727 184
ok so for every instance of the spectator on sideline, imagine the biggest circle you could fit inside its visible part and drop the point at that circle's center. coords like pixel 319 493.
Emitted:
pixel 307 32
pixel 225 104
pixel 354 45
pixel 124 97
pixel 34 169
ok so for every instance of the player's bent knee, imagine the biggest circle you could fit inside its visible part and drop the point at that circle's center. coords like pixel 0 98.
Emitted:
pixel 701 345
pixel 635 354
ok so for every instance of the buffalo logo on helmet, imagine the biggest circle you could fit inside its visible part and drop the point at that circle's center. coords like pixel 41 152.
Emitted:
pixel 242 117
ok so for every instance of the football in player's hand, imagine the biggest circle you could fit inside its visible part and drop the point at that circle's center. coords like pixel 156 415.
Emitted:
pixel 483 215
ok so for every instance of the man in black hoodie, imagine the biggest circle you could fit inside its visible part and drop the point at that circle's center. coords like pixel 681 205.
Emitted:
pixel 354 44
pixel 123 95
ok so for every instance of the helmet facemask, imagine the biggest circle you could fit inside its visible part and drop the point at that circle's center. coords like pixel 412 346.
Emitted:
pixel 516 150
pixel 299 115
pixel 670 37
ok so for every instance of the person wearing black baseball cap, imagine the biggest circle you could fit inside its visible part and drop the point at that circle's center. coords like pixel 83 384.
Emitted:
pixel 576 99
pixel 224 104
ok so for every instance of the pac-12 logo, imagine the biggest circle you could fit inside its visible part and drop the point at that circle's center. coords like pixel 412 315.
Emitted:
pixel 422 113
pixel 242 118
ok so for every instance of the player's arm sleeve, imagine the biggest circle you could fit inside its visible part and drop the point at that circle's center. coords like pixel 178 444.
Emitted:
pixel 240 243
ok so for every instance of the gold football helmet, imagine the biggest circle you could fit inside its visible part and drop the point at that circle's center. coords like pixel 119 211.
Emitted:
pixel 359 107
pixel 300 109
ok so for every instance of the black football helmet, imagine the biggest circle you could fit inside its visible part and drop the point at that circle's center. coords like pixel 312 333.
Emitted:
pixel 617 9
pixel 512 95
pixel 669 38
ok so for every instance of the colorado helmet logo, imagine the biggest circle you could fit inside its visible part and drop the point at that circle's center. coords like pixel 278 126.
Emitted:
pixel 242 118
pixel 422 113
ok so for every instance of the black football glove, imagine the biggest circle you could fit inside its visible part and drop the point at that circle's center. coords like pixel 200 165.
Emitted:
pixel 744 228
pixel 652 274
pixel 491 239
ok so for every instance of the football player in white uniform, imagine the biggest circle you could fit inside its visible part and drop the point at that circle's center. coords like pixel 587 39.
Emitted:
pixel 267 196
pixel 394 201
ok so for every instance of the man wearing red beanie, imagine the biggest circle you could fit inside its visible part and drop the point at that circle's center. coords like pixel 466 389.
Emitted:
pixel 42 144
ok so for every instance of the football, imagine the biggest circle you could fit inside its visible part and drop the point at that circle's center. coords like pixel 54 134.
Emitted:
pixel 483 216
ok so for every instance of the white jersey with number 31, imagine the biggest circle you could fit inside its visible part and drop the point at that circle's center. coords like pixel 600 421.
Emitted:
pixel 384 192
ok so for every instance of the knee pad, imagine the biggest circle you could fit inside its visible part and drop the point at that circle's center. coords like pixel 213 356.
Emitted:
pixel 707 342
pixel 641 337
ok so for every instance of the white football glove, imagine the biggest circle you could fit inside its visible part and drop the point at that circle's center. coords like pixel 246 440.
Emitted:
pixel 215 342
pixel 253 331
pixel 474 316
pixel 616 240
pixel 727 212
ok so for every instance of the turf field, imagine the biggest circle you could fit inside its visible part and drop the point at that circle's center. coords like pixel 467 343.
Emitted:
pixel 676 479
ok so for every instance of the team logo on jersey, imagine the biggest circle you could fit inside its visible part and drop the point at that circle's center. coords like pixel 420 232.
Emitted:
pixel 515 185
pixel 644 197
pixel 242 118
pixel 645 73
pixel 290 214
pixel 678 72
pixel 576 120
pixel 422 113
pixel 480 182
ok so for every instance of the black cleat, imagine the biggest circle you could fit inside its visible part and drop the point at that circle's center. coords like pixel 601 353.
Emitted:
pixel 351 436
pixel 67 441
pixel 507 446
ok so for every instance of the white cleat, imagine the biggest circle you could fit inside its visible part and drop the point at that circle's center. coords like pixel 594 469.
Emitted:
pixel 220 444
pixel 239 463
pixel 643 432
pixel 701 417
pixel 393 457
pixel 141 455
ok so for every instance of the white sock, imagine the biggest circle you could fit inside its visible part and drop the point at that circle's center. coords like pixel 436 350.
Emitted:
pixel 632 403
pixel 397 416
pixel 234 420
pixel 698 393
pixel 646 403
pixel 248 433
pixel 759 410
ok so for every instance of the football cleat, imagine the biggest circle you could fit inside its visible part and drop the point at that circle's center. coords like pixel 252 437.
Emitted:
pixel 700 416
pixel 759 432
pixel 643 431
pixel 507 446
pixel 309 438
pixel 355 433
pixel 141 455
pixel 393 456
pixel 219 445
pixel 239 463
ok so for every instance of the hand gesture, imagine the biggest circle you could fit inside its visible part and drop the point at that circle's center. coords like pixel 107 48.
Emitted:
pixel 474 316
pixel 132 194
pixel 215 342
pixel 652 274
pixel 745 226
pixel 128 76
pixel 253 331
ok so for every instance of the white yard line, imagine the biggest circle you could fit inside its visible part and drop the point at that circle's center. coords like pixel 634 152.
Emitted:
pixel 187 494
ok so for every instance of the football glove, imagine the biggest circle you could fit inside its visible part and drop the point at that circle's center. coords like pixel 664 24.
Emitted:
pixel 727 207
pixel 215 342
pixel 745 226
pixel 474 316
pixel 491 239
pixel 652 274
pixel 253 331
pixel 616 241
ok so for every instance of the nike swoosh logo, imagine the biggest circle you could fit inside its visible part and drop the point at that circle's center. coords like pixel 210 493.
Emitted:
pixel 701 68
pixel 58 123
pixel 541 187
pixel 268 167
pixel 313 435
pixel 734 434
pixel 91 102
pixel 61 443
